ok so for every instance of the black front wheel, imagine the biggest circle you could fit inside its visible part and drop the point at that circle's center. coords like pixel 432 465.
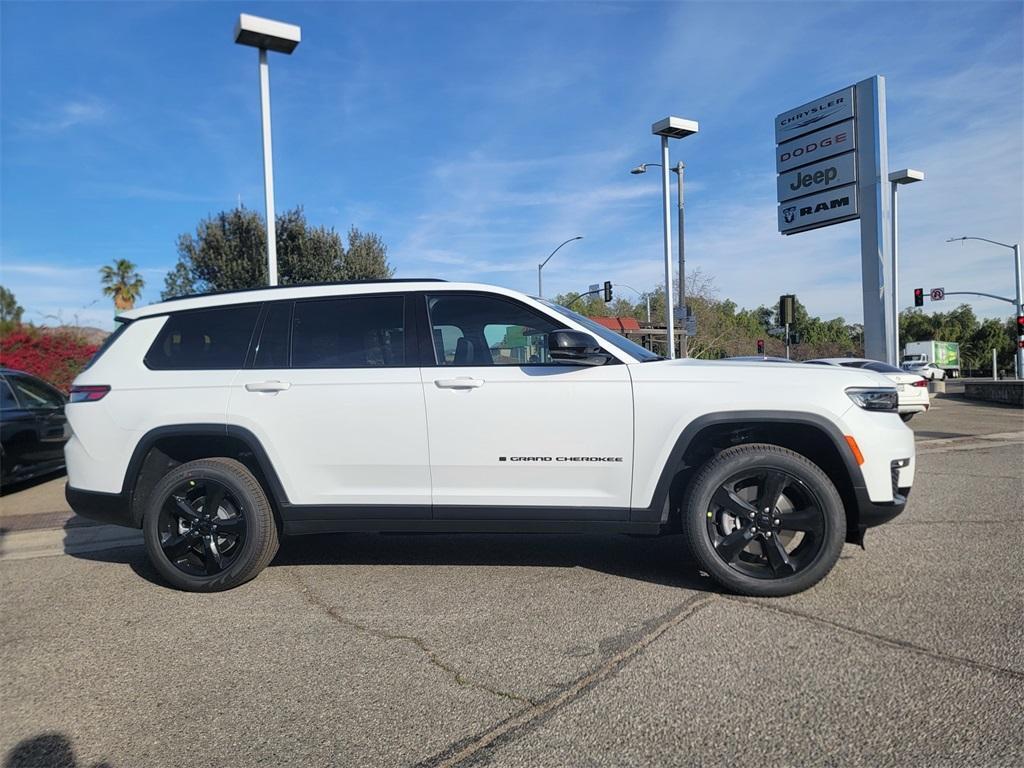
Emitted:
pixel 763 520
pixel 209 526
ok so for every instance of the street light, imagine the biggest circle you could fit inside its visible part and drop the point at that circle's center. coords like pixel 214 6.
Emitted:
pixel 896 178
pixel 671 128
pixel 1019 301
pixel 267 35
pixel 540 287
pixel 678 171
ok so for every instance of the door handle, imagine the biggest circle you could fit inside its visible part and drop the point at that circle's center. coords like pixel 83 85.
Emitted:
pixel 463 382
pixel 267 386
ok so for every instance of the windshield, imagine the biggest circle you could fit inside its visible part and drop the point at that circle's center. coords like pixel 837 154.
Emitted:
pixel 620 342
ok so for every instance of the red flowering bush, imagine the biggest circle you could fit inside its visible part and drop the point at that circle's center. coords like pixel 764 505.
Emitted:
pixel 54 355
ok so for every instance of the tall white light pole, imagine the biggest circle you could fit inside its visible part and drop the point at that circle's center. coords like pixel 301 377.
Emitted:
pixel 896 178
pixel 678 171
pixel 267 35
pixel 1018 301
pixel 540 285
pixel 670 128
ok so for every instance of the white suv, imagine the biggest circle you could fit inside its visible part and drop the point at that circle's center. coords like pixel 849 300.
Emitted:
pixel 217 423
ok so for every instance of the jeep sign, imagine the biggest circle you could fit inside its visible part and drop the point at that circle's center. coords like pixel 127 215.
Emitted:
pixel 828 207
pixel 828 174
pixel 815 146
pixel 813 115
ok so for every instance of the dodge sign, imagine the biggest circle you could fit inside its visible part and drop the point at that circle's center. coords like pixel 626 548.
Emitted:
pixel 833 140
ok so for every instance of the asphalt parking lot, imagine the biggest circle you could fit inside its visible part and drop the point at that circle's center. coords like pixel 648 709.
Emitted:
pixel 376 650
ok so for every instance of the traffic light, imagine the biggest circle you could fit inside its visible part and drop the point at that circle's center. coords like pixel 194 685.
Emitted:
pixel 1020 331
pixel 919 297
pixel 786 308
pixel 607 291
pixel 760 346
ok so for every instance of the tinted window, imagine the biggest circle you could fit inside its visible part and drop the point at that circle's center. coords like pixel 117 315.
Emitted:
pixel 34 394
pixel 204 339
pixel 487 330
pixel 7 401
pixel 357 332
pixel 272 351
pixel 881 367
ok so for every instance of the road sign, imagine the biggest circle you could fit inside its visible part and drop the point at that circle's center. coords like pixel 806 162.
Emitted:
pixel 820 210
pixel 818 177
pixel 813 115
pixel 833 140
pixel 938 294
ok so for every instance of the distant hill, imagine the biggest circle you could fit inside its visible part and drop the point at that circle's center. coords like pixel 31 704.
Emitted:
pixel 87 333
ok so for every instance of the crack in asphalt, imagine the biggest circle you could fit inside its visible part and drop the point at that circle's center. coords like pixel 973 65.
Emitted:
pixel 902 645
pixel 460 679
pixel 630 645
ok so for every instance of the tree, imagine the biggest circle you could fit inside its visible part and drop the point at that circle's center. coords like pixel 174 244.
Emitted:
pixel 122 282
pixel 10 311
pixel 228 252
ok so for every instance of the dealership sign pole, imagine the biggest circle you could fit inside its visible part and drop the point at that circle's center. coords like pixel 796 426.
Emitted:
pixel 832 161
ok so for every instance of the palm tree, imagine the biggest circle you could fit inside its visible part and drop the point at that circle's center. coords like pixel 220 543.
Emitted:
pixel 122 282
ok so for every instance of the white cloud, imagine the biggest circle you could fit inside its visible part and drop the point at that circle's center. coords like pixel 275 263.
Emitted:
pixel 69 114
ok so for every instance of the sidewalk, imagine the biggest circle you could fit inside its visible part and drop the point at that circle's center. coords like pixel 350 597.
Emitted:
pixel 36 522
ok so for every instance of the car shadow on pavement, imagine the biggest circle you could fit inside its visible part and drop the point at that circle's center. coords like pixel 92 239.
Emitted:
pixel 47 750
pixel 660 560
pixel 24 485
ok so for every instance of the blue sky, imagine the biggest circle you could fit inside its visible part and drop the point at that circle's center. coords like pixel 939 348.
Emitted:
pixel 475 137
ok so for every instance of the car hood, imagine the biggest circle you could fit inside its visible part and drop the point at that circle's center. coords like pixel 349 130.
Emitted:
pixel 769 373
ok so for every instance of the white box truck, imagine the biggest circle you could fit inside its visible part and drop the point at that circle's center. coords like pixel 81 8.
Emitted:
pixel 945 354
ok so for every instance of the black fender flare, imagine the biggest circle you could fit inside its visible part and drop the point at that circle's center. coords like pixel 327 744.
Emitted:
pixel 151 438
pixel 658 510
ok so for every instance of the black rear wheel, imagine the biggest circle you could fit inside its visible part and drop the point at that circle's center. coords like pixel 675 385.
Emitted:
pixel 763 520
pixel 209 526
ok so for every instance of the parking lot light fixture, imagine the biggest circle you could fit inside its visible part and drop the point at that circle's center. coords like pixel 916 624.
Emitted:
pixel 896 179
pixel 267 35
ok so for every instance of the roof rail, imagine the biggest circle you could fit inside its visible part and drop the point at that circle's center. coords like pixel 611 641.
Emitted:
pixel 308 285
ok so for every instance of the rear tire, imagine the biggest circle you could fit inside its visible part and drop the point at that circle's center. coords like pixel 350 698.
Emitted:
pixel 208 526
pixel 762 520
pixel 906 416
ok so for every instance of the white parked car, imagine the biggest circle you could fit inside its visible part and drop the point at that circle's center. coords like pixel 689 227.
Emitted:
pixel 930 371
pixel 912 387
pixel 218 423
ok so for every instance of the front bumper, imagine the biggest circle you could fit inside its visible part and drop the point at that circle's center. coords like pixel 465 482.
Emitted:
pixel 112 508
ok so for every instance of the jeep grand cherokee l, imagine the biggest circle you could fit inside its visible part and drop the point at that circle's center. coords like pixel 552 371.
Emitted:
pixel 218 423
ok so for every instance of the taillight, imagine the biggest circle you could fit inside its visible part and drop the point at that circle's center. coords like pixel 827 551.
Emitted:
pixel 920 383
pixel 88 393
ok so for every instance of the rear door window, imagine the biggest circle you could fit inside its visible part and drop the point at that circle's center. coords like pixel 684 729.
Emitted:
pixel 349 332
pixel 204 339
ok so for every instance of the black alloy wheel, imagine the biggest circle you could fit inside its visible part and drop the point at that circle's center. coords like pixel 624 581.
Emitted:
pixel 202 527
pixel 766 523
pixel 763 520
pixel 209 526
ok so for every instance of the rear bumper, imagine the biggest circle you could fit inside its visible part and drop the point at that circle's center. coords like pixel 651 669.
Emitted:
pixel 112 508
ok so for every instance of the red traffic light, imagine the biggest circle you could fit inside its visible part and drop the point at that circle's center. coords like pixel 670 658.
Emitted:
pixel 1020 325
pixel 919 297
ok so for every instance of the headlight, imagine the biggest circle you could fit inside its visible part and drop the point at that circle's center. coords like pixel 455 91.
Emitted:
pixel 874 398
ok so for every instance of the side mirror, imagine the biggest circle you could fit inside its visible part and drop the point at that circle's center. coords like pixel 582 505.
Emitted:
pixel 575 348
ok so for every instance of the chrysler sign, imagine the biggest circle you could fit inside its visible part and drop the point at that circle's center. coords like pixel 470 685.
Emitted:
pixel 829 207
pixel 808 179
pixel 813 115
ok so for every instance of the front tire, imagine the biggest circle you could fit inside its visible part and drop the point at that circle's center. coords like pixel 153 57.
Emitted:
pixel 208 526
pixel 906 416
pixel 762 520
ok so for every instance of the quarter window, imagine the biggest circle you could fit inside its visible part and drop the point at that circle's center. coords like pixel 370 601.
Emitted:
pixel 35 395
pixel 205 339
pixel 487 330
pixel 349 332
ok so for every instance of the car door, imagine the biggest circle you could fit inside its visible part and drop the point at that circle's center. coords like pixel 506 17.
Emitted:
pixel 43 407
pixel 514 435
pixel 335 399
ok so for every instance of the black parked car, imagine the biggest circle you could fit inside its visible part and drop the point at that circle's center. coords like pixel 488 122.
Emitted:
pixel 33 428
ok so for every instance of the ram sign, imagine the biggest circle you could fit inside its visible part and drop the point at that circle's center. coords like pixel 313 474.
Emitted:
pixel 828 207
